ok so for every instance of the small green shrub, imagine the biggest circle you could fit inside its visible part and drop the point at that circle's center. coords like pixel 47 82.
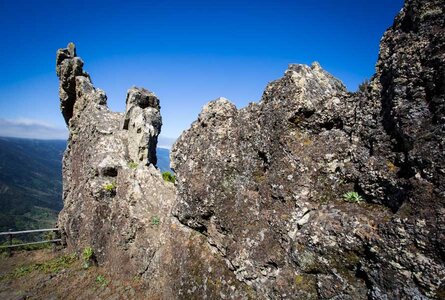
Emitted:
pixel 352 197
pixel 87 256
pixel 109 187
pixel 132 165
pixel 87 253
pixel 101 280
pixel 169 177
pixel 155 220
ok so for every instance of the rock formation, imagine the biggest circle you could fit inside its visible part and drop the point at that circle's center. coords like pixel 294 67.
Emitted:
pixel 115 200
pixel 143 122
pixel 259 210
pixel 107 183
pixel 265 183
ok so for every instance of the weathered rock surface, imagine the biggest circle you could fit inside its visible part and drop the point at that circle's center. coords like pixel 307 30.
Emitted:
pixel 264 183
pixel 115 200
pixel 259 210
pixel 106 199
pixel 143 122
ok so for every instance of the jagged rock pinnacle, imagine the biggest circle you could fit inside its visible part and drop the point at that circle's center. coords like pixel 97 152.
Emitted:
pixel 143 122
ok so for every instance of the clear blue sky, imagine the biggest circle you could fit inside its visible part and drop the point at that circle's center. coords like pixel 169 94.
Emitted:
pixel 187 52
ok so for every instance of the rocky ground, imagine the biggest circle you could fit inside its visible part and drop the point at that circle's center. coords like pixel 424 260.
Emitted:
pixel 48 274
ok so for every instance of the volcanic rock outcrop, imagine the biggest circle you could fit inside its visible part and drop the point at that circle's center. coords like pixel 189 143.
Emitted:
pixel 109 178
pixel 115 200
pixel 258 210
pixel 265 183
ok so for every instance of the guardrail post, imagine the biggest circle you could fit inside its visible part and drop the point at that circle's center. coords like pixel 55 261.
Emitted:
pixel 53 237
pixel 10 242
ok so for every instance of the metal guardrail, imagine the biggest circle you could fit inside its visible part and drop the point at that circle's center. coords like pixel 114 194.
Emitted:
pixel 11 233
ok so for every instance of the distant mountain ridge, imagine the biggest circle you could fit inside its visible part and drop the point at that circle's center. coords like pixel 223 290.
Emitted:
pixel 31 181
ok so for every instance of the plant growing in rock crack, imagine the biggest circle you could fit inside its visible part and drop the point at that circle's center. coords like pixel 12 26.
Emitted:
pixel 101 280
pixel 155 220
pixel 110 187
pixel 87 256
pixel 352 197
pixel 132 165
pixel 169 177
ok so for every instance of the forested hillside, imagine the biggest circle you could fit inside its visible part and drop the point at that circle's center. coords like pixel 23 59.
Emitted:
pixel 30 182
